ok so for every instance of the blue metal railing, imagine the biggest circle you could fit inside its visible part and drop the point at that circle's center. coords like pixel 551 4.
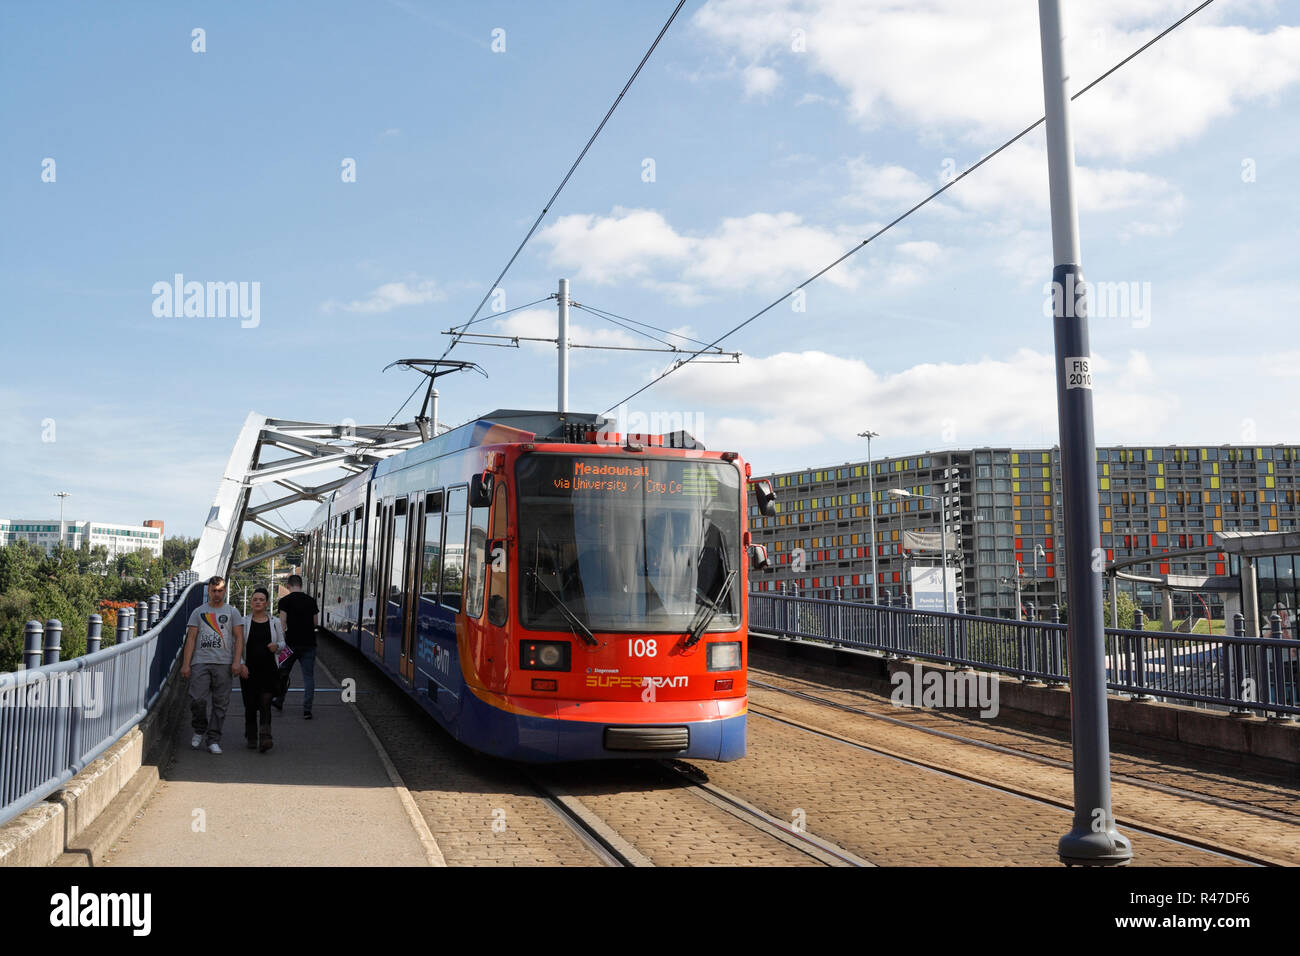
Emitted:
pixel 1240 673
pixel 57 718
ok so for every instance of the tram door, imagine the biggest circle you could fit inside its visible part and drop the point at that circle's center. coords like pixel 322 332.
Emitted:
pixel 384 558
pixel 410 587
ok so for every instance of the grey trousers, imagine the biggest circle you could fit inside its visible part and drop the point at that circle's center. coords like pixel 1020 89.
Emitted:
pixel 210 684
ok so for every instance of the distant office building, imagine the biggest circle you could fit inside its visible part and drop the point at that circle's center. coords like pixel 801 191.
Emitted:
pixel 1004 509
pixel 117 538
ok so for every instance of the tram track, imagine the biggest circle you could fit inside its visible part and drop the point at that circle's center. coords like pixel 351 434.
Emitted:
pixel 1054 762
pixel 612 848
pixel 1171 836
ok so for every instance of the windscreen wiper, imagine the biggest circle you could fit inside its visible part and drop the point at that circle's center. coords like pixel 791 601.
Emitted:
pixel 575 623
pixel 710 611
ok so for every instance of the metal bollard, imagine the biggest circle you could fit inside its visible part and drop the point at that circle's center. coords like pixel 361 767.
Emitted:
pixel 123 625
pixel 141 618
pixel 32 645
pixel 154 603
pixel 94 632
pixel 53 642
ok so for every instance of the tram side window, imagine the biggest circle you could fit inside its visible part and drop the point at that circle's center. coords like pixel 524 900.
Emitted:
pixel 499 586
pixel 345 537
pixel 372 551
pixel 475 563
pixel 398 552
pixel 453 547
pixel 432 558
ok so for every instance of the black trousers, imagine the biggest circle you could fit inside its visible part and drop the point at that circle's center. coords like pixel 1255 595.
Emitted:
pixel 256 689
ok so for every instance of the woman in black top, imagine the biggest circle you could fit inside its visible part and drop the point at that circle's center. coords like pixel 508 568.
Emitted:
pixel 262 640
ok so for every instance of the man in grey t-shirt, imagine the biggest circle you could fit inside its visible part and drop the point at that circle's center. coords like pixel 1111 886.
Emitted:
pixel 212 659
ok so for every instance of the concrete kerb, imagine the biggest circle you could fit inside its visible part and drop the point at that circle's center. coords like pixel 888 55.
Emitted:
pixel 92 809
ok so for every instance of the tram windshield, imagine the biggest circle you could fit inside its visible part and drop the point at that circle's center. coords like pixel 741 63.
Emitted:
pixel 628 544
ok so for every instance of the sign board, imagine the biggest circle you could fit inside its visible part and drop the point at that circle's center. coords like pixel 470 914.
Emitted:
pixel 927 541
pixel 928 587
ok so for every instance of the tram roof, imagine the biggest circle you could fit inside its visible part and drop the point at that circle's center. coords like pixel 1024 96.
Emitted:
pixel 501 426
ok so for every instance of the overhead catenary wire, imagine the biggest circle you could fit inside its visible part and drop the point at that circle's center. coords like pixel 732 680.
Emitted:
pixel 563 182
pixel 629 328
pixel 881 231
pixel 624 318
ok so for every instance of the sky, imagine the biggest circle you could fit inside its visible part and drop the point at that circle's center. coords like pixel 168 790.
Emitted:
pixel 367 170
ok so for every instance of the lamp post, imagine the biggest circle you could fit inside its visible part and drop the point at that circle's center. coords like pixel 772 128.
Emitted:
pixel 977 519
pixel 943 534
pixel 1038 550
pixel 871 512
pixel 61 495
pixel 1093 838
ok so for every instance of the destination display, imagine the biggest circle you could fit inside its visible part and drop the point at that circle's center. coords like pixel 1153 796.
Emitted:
pixel 563 476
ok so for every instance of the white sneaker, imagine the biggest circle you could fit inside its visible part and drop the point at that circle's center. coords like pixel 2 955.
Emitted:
pixel 196 741
pixel 214 748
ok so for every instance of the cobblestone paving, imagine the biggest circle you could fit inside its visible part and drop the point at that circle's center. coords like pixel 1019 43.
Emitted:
pixel 1252 789
pixel 480 811
pixel 896 815
pixel 669 824
pixel 1262 837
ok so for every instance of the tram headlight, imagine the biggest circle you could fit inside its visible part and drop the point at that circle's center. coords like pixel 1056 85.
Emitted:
pixel 544 655
pixel 724 656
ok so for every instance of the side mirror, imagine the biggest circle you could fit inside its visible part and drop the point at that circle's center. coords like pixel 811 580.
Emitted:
pixel 764 497
pixel 758 557
pixel 497 612
pixel 480 490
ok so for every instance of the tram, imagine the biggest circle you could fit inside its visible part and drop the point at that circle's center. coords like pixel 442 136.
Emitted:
pixel 548 590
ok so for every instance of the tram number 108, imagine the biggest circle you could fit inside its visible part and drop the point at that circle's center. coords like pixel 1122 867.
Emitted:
pixel 642 647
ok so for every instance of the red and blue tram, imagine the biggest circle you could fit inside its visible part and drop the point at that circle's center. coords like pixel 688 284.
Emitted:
pixel 548 590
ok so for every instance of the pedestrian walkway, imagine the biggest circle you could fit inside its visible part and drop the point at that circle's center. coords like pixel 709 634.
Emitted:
pixel 320 797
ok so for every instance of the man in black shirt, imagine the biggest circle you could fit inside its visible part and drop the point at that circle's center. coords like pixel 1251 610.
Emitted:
pixel 299 616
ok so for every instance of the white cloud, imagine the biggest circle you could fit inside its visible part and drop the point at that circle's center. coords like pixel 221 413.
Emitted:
pixel 813 399
pixel 762 250
pixel 760 80
pixel 389 296
pixel 1014 185
pixel 971 68
pixel 544 323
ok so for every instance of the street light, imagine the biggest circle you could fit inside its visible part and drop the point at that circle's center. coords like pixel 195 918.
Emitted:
pixel 61 495
pixel 943 534
pixel 871 511
pixel 1038 550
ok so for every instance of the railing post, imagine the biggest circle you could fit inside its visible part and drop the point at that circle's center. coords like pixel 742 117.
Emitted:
pixel 1139 624
pixel 141 618
pixel 839 615
pixel 962 638
pixel 1236 666
pixel 32 645
pixel 1279 669
pixel 153 611
pixel 94 630
pixel 53 641
pixel 1056 659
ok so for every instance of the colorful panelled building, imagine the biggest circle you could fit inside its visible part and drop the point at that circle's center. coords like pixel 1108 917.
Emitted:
pixel 1004 509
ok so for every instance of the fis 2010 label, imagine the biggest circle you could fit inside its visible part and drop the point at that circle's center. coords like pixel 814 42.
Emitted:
pixel 1077 372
